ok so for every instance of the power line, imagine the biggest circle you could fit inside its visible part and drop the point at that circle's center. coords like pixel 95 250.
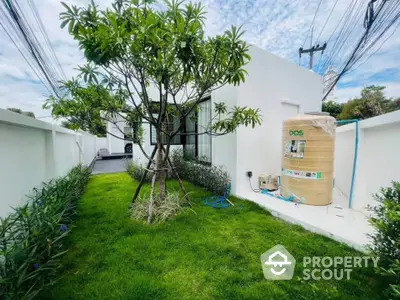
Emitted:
pixel 350 29
pixel 386 16
pixel 21 32
pixel 349 24
pixel 326 22
pixel 44 33
pixel 25 57
pixel 312 23
pixel 345 18
pixel 373 53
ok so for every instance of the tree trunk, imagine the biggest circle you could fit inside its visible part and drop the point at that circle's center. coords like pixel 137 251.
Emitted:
pixel 160 171
pixel 144 176
pixel 151 203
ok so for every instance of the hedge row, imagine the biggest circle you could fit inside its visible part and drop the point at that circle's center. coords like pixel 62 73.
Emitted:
pixel 31 238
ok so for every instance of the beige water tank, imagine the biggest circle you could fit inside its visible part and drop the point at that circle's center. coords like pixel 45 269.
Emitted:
pixel 308 158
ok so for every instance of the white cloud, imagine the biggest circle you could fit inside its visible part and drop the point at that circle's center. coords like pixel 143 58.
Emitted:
pixel 25 95
pixel 277 26
pixel 392 90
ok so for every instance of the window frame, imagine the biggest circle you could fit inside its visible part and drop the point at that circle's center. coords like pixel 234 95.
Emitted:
pixel 179 138
pixel 126 137
pixel 196 143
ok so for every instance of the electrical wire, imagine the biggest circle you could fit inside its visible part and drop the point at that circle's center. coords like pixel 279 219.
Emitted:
pixel 350 20
pixel 326 22
pixel 44 33
pixel 31 43
pixel 312 23
pixel 385 17
pixel 348 11
pixel 251 186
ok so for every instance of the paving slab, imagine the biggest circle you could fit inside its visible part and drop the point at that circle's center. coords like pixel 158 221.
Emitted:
pixel 109 166
pixel 336 220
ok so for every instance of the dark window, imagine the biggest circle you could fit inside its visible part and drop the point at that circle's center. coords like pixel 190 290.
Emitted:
pixel 189 147
pixel 132 133
pixel 169 127
pixel 128 133
pixel 198 145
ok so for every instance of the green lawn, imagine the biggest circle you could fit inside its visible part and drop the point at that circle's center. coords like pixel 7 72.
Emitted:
pixel 213 254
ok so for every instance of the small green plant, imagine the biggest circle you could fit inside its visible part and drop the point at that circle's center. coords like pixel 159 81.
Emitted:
pixel 136 171
pixel 31 238
pixel 212 178
pixel 386 239
pixel 162 210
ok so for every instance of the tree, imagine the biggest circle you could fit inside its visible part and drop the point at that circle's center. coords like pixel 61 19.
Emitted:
pixel 97 129
pixel 20 111
pixel 395 104
pixel 332 107
pixel 371 103
pixel 134 50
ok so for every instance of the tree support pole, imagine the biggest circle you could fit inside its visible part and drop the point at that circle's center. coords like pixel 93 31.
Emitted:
pixel 180 183
pixel 179 180
pixel 144 175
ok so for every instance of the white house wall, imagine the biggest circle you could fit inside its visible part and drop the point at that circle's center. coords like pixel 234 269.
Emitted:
pixel 116 142
pixel 280 90
pixel 224 147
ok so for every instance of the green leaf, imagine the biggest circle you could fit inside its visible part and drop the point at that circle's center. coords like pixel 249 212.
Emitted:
pixel 70 27
pixel 66 6
pixel 64 23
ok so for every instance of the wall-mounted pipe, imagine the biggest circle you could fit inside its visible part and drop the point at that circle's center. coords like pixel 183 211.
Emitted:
pixel 355 158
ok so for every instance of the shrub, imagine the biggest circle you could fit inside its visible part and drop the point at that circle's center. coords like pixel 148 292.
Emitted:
pixel 136 171
pixel 212 178
pixel 386 238
pixel 31 238
pixel 162 209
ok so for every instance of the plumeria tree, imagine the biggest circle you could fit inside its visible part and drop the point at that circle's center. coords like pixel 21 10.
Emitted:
pixel 137 47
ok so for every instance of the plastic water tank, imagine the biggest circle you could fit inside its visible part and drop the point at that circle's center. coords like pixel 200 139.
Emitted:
pixel 308 158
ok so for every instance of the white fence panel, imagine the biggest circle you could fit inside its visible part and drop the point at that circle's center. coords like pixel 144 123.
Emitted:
pixel 89 147
pixel 33 151
pixel 101 143
pixel 344 158
pixel 378 157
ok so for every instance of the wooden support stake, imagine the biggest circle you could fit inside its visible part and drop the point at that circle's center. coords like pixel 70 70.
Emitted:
pixel 180 182
pixel 144 175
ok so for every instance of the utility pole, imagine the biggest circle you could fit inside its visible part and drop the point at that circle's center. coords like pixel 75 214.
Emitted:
pixel 312 49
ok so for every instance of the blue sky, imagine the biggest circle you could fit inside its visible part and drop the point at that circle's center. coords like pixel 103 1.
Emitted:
pixel 277 26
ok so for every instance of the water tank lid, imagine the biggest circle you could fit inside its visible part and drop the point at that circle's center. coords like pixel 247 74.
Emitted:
pixel 317 113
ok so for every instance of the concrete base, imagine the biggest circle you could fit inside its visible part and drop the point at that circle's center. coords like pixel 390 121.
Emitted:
pixel 335 221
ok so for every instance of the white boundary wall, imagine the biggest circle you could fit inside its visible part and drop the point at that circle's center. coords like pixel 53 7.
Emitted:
pixel 101 143
pixel 33 151
pixel 378 157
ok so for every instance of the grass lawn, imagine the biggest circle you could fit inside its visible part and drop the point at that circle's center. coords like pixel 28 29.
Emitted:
pixel 213 254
